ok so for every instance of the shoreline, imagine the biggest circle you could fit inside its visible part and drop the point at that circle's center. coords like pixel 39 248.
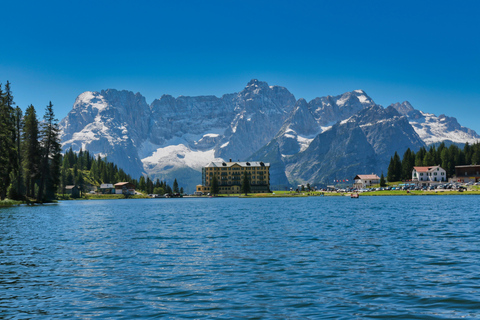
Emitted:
pixel 277 194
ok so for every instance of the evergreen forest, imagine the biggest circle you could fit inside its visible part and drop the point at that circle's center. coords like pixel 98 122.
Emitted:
pixel 32 167
pixel 445 157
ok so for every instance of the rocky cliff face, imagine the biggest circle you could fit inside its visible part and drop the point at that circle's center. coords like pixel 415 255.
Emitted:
pixel 304 141
pixel 362 143
pixel 110 123
pixel 433 129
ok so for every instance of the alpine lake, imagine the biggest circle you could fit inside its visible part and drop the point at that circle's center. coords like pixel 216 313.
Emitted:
pixel 272 258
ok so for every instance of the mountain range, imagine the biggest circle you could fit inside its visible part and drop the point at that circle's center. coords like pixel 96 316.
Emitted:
pixel 316 142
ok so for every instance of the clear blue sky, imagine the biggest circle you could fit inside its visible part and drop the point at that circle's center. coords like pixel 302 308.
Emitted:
pixel 426 52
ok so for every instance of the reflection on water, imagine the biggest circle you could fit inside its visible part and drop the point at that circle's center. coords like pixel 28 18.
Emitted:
pixel 382 257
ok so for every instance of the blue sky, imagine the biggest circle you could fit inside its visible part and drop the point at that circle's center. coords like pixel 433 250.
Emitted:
pixel 427 53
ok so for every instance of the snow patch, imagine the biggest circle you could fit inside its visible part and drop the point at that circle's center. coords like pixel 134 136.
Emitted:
pixel 325 128
pixel 340 102
pixel 168 156
pixel 304 142
pixel 211 135
pixel 93 99
pixel 433 129
pixel 362 99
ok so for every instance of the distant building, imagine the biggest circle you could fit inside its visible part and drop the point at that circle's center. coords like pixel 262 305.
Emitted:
pixel 106 188
pixel 467 173
pixel 230 175
pixel 428 175
pixel 124 188
pixel 365 180
pixel 73 191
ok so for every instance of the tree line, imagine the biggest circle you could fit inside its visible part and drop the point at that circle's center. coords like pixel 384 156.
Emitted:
pixel 82 169
pixel 32 167
pixel 30 157
pixel 445 157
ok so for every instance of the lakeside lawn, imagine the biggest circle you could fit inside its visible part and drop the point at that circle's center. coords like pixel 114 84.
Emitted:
pixel 10 203
pixel 473 191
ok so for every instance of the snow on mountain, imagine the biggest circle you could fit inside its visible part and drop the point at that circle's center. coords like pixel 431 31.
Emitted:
pixel 176 137
pixel 433 129
pixel 331 109
pixel 362 143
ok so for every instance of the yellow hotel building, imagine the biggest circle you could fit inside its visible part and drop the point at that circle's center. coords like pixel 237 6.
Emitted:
pixel 230 175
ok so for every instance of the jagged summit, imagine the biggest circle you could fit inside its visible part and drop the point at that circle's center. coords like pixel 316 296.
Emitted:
pixel 404 108
pixel 175 137
pixel 433 129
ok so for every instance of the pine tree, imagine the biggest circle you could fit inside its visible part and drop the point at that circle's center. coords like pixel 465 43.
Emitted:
pixel 149 185
pixel 407 164
pixel 175 186
pixel 397 167
pixel 50 156
pixel 80 182
pixel 214 188
pixel 63 175
pixel 419 157
pixel 17 189
pixel 467 150
pixel 245 187
pixel 31 149
pixel 391 171
pixel 428 160
pixel 141 184
pixel 476 157
pixel 7 139
pixel 382 181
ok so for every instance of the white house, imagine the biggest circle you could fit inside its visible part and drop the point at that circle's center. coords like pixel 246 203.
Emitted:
pixel 364 180
pixel 428 175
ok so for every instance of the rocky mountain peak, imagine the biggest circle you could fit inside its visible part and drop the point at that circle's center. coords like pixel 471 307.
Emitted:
pixel 304 141
pixel 331 109
pixel 404 108
pixel 433 129
pixel 256 83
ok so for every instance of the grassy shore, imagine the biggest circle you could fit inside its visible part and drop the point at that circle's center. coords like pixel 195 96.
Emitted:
pixel 111 196
pixel 10 203
pixel 370 193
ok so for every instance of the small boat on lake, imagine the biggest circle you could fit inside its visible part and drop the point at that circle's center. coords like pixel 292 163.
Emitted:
pixel 355 195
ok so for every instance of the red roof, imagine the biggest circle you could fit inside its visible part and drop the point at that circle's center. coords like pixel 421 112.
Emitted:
pixel 124 184
pixel 368 177
pixel 422 169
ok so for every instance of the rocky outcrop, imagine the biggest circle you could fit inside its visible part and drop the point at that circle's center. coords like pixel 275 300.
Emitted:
pixel 433 129
pixel 304 141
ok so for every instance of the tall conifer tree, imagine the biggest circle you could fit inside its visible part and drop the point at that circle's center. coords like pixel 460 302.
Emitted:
pixel 31 147
pixel 50 156
pixel 7 136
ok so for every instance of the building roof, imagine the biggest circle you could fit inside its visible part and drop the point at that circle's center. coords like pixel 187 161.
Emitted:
pixel 367 177
pixel 70 187
pixel 470 166
pixel 244 164
pixel 106 186
pixel 121 184
pixel 425 169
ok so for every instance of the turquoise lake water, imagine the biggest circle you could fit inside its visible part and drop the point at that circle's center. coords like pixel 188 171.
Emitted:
pixel 317 258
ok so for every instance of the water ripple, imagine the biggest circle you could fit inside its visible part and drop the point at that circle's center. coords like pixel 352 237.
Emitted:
pixel 327 258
